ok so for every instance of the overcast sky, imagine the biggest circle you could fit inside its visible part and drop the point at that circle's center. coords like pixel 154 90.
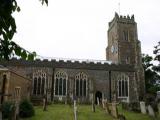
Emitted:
pixel 78 28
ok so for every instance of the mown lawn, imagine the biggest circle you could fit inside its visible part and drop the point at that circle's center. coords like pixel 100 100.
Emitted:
pixel 135 116
pixel 65 112
pixel 54 112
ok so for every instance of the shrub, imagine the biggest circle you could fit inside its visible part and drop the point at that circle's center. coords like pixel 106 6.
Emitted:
pixel 6 109
pixel 26 109
pixel 133 106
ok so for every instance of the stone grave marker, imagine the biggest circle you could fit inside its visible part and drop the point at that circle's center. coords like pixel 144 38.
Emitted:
pixel 97 101
pixel 103 103
pixel 75 110
pixel 93 106
pixel 17 110
pixel 159 108
pixel 107 108
pixel 143 107
pixel 44 104
pixel 151 111
pixel 114 110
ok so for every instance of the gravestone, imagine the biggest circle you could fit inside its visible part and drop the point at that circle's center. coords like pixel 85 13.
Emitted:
pixel 103 103
pixel 44 104
pixel 75 110
pixel 151 111
pixel 93 106
pixel 17 110
pixel 12 115
pixel 114 110
pixel 107 108
pixel 143 107
pixel 97 101
pixel 159 108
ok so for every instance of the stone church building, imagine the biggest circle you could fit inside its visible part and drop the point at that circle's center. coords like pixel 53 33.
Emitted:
pixel 120 77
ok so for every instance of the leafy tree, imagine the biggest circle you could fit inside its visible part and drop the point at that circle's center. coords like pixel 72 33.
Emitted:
pixel 157 57
pixel 150 74
pixel 9 48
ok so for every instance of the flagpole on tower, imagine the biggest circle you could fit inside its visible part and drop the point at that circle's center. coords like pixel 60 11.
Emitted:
pixel 119 7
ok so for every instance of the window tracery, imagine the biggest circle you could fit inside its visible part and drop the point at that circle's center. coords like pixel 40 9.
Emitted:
pixel 81 85
pixel 39 82
pixel 61 83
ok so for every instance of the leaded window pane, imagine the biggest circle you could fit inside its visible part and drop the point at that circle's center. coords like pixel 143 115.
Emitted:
pixel 126 88
pixel 64 86
pixel 123 91
pixel 84 87
pixel 35 86
pixel 61 83
pixel 120 89
pixel 56 87
pixel 39 78
pixel 77 87
pixel 81 87
pixel 43 84
pixel 123 86
pixel 39 86
pixel 60 86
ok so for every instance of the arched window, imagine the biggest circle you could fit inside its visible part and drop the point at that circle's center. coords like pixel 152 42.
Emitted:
pixel 60 83
pixel 81 85
pixel 123 86
pixel 39 83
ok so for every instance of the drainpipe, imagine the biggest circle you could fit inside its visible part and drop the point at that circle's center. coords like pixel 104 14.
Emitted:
pixel 52 87
pixel 3 88
pixel 110 94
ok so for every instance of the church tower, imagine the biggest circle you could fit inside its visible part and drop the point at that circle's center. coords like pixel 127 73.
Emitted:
pixel 124 46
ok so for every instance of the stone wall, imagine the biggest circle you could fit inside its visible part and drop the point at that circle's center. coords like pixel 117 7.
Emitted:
pixel 15 81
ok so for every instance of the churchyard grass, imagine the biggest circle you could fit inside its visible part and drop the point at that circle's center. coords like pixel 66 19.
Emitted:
pixel 65 112
pixel 135 116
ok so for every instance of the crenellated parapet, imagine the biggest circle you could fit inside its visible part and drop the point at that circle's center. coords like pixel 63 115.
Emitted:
pixel 70 64
pixel 122 19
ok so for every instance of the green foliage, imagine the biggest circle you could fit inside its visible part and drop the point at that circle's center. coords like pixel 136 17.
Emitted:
pixel 8 48
pixel 133 106
pixel 6 109
pixel 64 112
pixel 157 57
pixel 146 61
pixel 153 89
pixel 150 74
pixel 26 109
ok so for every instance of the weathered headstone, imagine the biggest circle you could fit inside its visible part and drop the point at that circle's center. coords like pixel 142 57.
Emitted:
pixel 151 111
pixel 93 106
pixel 107 108
pixel 13 113
pixel 143 107
pixel 114 110
pixel 44 104
pixel 159 108
pixel 103 103
pixel 75 110
pixel 17 110
pixel 97 101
